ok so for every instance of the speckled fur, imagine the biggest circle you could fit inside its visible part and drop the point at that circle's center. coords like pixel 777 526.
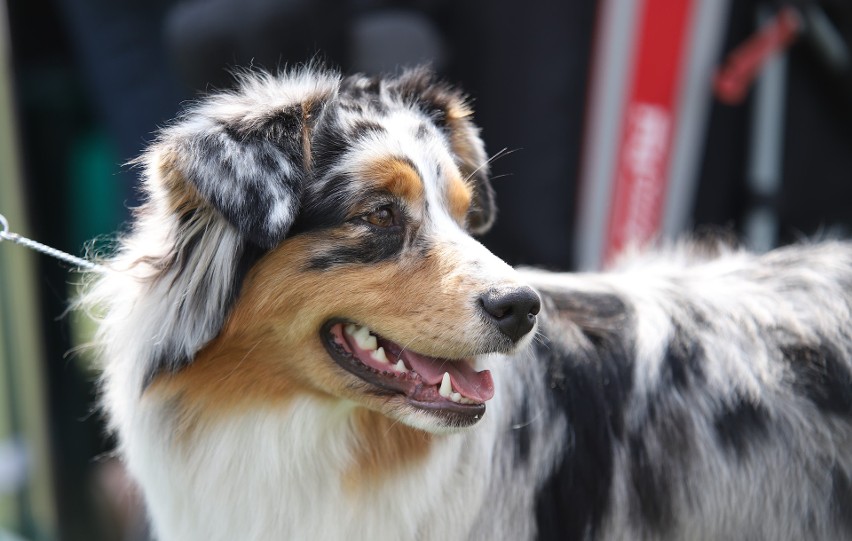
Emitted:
pixel 696 392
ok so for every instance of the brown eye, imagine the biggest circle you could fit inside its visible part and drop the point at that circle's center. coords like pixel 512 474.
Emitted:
pixel 382 217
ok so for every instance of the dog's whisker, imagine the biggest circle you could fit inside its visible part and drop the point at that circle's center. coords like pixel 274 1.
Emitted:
pixel 528 422
pixel 239 363
pixel 500 154
pixel 502 175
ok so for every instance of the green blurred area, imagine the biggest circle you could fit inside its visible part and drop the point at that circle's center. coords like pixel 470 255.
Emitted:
pixel 26 500
pixel 63 192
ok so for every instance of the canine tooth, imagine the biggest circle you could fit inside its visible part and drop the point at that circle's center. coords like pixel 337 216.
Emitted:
pixel 446 387
pixel 379 355
pixel 456 397
pixel 400 366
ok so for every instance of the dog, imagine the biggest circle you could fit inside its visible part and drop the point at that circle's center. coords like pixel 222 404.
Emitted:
pixel 301 339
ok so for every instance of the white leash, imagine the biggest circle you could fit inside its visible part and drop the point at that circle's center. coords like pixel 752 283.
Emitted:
pixel 5 234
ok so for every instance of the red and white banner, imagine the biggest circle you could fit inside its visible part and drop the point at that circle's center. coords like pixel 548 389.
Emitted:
pixel 641 180
pixel 652 67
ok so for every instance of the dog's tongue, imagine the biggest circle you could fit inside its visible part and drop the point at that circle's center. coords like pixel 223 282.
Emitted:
pixel 466 381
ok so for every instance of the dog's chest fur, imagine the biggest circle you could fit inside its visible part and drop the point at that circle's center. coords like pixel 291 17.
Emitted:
pixel 268 474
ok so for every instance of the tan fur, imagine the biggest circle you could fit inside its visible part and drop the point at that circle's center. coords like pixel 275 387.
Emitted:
pixel 385 447
pixel 270 351
pixel 463 137
pixel 395 176
pixel 307 122
pixel 459 197
pixel 181 195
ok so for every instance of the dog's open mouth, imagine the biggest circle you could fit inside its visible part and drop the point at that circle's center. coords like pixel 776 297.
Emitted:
pixel 427 382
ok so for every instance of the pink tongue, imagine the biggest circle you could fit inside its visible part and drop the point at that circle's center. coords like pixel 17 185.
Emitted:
pixel 466 381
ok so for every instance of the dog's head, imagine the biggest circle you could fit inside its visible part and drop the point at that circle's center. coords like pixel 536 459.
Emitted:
pixel 319 242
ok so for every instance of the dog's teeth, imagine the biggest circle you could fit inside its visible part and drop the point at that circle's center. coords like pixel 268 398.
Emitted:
pixel 350 329
pixel 361 332
pixel 456 397
pixel 400 366
pixel 446 387
pixel 364 339
pixel 379 355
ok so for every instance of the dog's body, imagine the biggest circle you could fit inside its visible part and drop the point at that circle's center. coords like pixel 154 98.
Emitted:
pixel 298 224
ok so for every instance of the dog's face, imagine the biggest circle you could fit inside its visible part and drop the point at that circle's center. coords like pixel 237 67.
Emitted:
pixel 360 195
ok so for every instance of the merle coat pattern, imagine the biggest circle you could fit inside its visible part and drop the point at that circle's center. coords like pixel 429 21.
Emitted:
pixel 697 392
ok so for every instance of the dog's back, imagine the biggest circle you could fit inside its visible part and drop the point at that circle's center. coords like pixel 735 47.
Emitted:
pixel 706 399
pixel 296 329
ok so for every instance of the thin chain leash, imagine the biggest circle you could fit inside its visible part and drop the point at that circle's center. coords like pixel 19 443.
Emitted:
pixel 78 262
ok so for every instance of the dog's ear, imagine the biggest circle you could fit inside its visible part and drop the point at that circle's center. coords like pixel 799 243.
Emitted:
pixel 451 111
pixel 222 186
pixel 247 153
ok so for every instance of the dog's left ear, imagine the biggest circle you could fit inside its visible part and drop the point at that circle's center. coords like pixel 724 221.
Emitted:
pixel 247 153
pixel 451 111
pixel 223 185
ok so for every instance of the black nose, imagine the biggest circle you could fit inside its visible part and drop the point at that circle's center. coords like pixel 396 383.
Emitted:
pixel 513 310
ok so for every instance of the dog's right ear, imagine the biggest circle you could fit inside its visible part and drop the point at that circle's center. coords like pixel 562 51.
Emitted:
pixel 450 110
pixel 246 153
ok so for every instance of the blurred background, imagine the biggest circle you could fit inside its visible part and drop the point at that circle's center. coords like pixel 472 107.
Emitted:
pixel 623 121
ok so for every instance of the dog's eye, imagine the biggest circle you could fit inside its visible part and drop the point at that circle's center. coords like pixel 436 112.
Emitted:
pixel 382 217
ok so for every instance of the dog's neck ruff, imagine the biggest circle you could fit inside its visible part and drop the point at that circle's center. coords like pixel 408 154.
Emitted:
pixel 269 474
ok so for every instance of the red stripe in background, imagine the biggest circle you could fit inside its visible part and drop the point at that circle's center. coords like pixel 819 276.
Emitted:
pixel 649 119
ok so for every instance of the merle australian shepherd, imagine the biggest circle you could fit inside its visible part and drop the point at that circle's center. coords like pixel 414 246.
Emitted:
pixel 301 339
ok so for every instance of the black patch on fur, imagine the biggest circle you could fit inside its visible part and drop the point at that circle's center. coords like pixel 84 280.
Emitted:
pixel 366 128
pixel 374 247
pixel 328 206
pixel 683 363
pixel 521 431
pixel 588 308
pixel 667 425
pixel 329 143
pixel 821 376
pixel 217 163
pixel 841 499
pixel 362 91
pixel 250 216
pixel 653 474
pixel 590 386
pixel 652 485
pixel 740 424
pixel 283 128
pixel 174 360
pixel 421 90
